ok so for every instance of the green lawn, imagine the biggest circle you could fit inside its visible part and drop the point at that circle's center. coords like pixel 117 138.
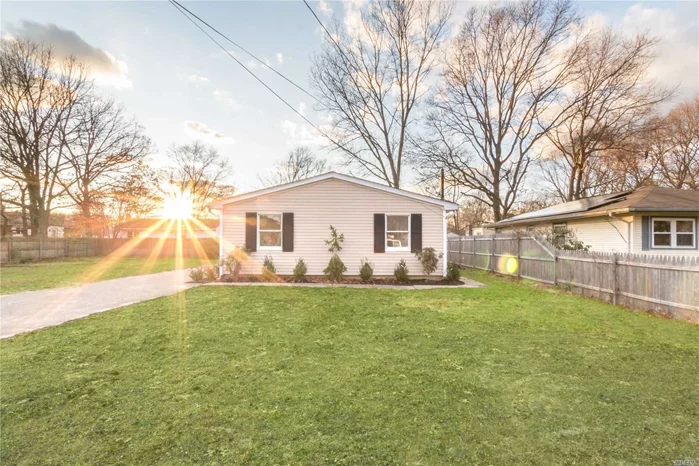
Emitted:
pixel 69 272
pixel 508 374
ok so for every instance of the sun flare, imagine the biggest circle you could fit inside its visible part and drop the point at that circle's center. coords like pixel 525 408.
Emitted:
pixel 177 206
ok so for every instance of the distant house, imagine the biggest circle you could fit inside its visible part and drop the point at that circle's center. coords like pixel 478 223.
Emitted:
pixel 646 220
pixel 12 225
pixel 291 221
pixel 159 228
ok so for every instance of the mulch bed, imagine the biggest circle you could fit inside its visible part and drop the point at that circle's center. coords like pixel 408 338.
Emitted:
pixel 347 281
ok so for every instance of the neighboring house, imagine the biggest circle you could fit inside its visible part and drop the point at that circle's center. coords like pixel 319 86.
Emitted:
pixel 12 225
pixel 292 221
pixel 649 219
pixel 160 228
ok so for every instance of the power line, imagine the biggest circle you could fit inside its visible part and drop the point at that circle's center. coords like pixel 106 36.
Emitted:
pixel 254 57
pixel 186 15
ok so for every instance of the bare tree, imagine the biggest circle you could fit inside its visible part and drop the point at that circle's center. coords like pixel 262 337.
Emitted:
pixel 104 147
pixel 38 94
pixel 133 195
pixel 371 80
pixel 611 103
pixel 198 172
pixel 677 147
pixel 299 164
pixel 502 81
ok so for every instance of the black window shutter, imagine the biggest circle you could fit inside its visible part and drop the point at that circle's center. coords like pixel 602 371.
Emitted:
pixel 379 233
pixel 251 231
pixel 288 232
pixel 645 233
pixel 416 232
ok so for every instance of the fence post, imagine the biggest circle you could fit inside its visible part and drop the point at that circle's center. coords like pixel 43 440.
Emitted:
pixel 519 257
pixel 614 272
pixel 555 267
pixel 492 253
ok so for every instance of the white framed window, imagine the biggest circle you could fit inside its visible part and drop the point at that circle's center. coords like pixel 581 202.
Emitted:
pixel 397 232
pixel 673 233
pixel 269 232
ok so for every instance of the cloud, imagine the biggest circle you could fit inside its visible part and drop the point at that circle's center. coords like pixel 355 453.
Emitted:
pixel 195 78
pixel 252 64
pixel 324 7
pixel 280 58
pixel 302 108
pixel 677 60
pixel 105 69
pixel 200 130
pixel 303 134
pixel 224 96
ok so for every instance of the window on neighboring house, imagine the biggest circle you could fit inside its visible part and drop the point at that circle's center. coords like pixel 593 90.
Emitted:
pixel 397 232
pixel 269 231
pixel 674 233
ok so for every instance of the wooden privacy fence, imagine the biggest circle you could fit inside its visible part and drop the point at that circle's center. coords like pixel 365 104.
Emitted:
pixel 34 249
pixel 668 284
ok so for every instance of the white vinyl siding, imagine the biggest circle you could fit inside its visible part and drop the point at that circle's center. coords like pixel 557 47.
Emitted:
pixel 348 207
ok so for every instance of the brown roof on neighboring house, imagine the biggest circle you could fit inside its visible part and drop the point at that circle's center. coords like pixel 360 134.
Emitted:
pixel 144 223
pixel 646 199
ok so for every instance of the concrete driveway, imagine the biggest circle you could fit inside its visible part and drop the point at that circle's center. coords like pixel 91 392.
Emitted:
pixel 32 310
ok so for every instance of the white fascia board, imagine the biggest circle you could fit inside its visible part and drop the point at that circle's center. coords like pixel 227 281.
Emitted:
pixel 448 206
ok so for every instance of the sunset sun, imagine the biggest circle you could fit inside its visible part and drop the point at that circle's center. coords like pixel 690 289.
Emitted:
pixel 177 206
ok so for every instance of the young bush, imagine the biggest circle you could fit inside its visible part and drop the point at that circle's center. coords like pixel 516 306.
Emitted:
pixel 211 273
pixel 453 272
pixel 335 269
pixel 335 240
pixel 233 262
pixel 268 264
pixel 401 272
pixel 300 270
pixel 366 271
pixel 429 259
pixel 269 272
pixel 197 274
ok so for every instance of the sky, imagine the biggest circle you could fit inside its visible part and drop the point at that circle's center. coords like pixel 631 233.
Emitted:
pixel 180 86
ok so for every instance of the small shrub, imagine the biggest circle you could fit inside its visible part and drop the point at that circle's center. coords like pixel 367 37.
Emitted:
pixel 453 272
pixel 233 262
pixel 197 274
pixel 268 264
pixel 401 272
pixel 366 271
pixel 211 273
pixel 429 259
pixel 335 269
pixel 300 270
pixel 335 240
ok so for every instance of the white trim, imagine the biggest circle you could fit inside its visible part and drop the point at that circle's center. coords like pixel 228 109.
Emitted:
pixel 673 232
pixel 281 232
pixel 445 256
pixel 338 176
pixel 388 248
pixel 220 242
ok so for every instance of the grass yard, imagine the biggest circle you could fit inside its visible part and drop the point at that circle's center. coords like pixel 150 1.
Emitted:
pixel 69 272
pixel 508 374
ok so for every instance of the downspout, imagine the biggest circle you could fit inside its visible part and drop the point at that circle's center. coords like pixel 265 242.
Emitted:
pixel 444 242
pixel 628 230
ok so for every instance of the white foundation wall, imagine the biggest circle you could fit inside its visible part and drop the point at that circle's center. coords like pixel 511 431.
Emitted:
pixel 350 208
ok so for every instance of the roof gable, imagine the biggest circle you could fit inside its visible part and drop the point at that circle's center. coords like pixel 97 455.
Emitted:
pixel 336 176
